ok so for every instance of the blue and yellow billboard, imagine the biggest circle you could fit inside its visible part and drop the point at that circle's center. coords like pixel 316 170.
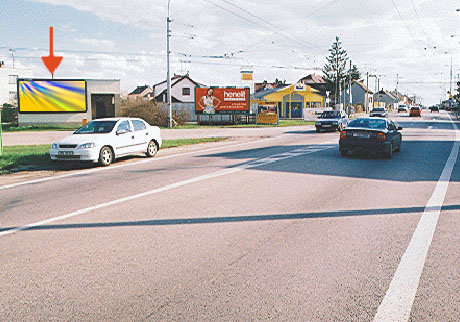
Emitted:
pixel 51 96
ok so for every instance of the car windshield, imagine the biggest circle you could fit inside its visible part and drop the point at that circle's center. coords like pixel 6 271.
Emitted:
pixel 368 123
pixel 379 109
pixel 95 127
pixel 330 115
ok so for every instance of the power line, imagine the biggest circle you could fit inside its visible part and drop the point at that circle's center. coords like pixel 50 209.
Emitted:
pixel 420 23
pixel 261 25
pixel 405 23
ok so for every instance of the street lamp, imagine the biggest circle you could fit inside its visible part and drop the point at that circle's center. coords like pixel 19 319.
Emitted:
pixel 168 34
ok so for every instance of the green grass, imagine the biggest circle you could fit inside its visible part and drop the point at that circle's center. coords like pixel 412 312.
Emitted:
pixel 37 156
pixel 15 128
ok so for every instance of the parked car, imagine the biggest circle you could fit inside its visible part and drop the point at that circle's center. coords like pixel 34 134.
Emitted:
pixel 434 108
pixel 104 140
pixel 403 108
pixel 371 135
pixel 331 120
pixel 378 112
pixel 415 111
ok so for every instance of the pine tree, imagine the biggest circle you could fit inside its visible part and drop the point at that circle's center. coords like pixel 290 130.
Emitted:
pixel 355 74
pixel 334 70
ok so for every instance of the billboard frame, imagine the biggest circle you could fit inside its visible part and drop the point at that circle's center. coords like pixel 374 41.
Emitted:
pixel 231 112
pixel 52 112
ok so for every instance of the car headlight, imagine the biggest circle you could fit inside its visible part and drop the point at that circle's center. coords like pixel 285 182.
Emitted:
pixel 87 145
pixel 54 146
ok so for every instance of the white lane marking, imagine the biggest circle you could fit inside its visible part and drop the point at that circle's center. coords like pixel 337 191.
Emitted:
pixel 85 172
pixel 251 164
pixel 398 301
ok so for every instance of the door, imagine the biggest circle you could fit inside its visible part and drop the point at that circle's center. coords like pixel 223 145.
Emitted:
pixel 141 138
pixel 124 141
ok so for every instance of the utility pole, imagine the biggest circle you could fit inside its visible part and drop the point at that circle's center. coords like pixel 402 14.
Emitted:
pixel 450 76
pixel 168 35
pixel 378 92
pixel 366 104
pixel 12 51
pixel 397 81
pixel 350 100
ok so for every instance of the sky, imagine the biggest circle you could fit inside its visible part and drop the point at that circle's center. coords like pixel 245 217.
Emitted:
pixel 406 43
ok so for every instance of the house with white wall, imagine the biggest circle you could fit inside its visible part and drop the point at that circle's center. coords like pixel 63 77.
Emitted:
pixel 8 83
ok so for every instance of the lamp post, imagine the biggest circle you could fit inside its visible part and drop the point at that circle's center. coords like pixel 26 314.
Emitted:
pixel 168 35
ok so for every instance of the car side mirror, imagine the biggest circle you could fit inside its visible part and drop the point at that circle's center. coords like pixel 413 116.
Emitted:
pixel 121 132
pixel 400 128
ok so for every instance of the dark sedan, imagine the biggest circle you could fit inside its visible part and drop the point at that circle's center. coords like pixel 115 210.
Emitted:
pixel 371 135
pixel 434 108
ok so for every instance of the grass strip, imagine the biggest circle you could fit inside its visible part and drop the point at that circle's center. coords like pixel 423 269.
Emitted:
pixel 32 156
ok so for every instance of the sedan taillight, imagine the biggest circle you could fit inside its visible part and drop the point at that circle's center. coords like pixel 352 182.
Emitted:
pixel 343 135
pixel 381 137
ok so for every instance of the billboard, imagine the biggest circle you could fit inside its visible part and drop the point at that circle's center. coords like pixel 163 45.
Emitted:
pixel 222 101
pixel 51 96
pixel 267 114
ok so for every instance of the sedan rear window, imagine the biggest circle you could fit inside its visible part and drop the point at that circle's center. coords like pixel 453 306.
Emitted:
pixel 330 115
pixel 368 123
pixel 95 127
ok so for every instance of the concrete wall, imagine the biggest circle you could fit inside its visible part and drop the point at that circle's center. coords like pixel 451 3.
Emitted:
pixel 93 86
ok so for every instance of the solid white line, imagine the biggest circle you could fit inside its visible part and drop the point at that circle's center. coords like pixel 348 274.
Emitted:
pixel 398 301
pixel 85 172
pixel 252 164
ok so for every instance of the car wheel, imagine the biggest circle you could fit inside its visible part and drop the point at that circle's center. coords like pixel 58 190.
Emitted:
pixel 344 153
pixel 399 147
pixel 318 130
pixel 151 149
pixel 105 156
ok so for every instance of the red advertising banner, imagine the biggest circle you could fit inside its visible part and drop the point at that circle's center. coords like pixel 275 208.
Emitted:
pixel 221 100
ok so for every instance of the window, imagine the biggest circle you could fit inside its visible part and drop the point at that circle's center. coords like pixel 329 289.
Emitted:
pixel 124 126
pixel 12 79
pixel 186 91
pixel 138 125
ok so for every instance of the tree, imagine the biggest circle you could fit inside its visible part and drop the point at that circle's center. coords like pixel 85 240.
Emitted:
pixel 334 71
pixel 355 74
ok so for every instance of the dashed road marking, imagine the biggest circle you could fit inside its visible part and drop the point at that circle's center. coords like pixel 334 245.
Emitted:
pixel 249 165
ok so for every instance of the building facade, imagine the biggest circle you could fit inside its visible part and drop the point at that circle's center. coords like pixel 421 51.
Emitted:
pixel 102 100
pixel 8 83
pixel 291 100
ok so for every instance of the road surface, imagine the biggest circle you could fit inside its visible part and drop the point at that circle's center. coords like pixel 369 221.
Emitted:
pixel 276 228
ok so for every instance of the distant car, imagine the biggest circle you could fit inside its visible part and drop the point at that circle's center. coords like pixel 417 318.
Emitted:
pixel 415 111
pixel 434 108
pixel 332 121
pixel 402 108
pixel 378 112
pixel 371 135
pixel 104 140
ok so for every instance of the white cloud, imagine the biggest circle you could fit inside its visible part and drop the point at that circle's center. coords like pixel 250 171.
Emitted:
pixel 275 33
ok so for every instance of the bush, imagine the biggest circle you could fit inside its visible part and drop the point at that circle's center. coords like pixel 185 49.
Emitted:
pixel 9 114
pixel 153 113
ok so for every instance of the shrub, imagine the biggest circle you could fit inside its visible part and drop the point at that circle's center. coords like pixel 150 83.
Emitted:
pixel 154 113
pixel 149 111
pixel 9 114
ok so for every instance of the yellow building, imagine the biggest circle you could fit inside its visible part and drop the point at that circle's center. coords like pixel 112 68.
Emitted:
pixel 291 100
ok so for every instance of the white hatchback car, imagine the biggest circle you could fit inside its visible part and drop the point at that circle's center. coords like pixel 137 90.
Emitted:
pixel 104 140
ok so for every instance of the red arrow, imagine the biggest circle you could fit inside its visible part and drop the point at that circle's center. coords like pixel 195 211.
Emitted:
pixel 51 62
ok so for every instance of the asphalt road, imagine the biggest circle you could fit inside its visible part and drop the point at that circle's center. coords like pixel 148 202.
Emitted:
pixel 276 228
